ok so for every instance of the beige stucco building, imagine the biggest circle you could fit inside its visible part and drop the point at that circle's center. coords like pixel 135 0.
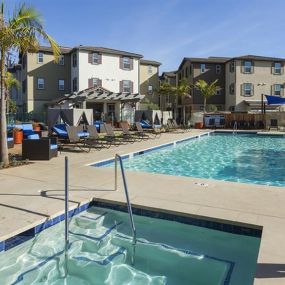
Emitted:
pixel 248 77
pixel 43 79
pixel 149 82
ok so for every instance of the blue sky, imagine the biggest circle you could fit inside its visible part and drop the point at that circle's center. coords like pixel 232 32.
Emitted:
pixel 167 30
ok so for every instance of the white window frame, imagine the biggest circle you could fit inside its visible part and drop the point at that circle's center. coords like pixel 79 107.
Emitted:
pixel 245 89
pixel 247 66
pixel 149 69
pixel 95 57
pixel 279 91
pixel 279 69
pixel 40 57
pixel 61 84
pixel 218 69
pixel 40 83
pixel 126 63
pixel 125 87
pixel 203 67
pixel 150 89
pixel 61 60
pixel 95 81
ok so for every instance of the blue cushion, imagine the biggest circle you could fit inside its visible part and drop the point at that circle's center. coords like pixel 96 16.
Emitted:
pixel 27 127
pixel 145 124
pixel 53 146
pixel 60 126
pixel 83 134
pixel 60 132
pixel 10 139
pixel 34 137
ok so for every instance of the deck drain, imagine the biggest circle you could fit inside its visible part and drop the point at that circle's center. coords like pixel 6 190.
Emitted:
pixel 201 184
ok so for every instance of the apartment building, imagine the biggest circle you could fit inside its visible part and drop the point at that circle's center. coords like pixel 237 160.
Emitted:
pixel 168 101
pixel 42 79
pixel 241 81
pixel 250 76
pixel 149 82
pixel 79 69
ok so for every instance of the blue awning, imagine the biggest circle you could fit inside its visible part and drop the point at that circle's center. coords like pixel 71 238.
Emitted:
pixel 275 100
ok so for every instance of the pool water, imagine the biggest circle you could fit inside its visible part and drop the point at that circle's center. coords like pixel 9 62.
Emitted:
pixel 240 158
pixel 100 252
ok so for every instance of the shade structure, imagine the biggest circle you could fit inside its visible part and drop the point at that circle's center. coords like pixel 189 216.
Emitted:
pixel 71 117
pixel 275 100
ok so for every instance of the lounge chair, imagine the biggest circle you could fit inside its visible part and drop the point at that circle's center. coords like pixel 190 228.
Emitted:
pixel 133 136
pixel 172 127
pixel 95 139
pixel 110 134
pixel 36 148
pixel 147 134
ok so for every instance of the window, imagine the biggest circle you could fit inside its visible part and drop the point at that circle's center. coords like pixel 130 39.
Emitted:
pixel 232 108
pixel 95 58
pixel 61 84
pixel 247 89
pixel 40 57
pixel 126 86
pixel 126 63
pixel 277 68
pixel 186 71
pixel 111 110
pixel 232 89
pixel 95 82
pixel 149 69
pixel 74 84
pixel 218 91
pixel 61 60
pixel 203 67
pixel 277 89
pixel 232 66
pixel 247 66
pixel 74 59
pixel 24 85
pixel 41 83
pixel 218 68
pixel 150 89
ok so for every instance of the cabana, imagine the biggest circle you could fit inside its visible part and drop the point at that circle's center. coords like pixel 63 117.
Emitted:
pixel 71 117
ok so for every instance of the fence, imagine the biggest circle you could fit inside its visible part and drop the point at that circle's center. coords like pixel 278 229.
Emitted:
pixel 26 117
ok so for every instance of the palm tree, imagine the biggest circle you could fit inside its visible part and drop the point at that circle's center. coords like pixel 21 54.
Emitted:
pixel 20 33
pixel 206 89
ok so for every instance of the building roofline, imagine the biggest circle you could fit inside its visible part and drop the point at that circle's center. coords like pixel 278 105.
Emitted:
pixel 150 62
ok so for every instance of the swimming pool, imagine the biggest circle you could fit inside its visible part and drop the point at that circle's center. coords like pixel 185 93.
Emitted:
pixel 167 252
pixel 244 158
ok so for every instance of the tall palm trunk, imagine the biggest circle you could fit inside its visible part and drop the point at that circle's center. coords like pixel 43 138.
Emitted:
pixel 205 102
pixel 3 123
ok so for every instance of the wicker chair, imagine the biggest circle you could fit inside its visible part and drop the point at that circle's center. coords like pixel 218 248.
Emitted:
pixel 36 148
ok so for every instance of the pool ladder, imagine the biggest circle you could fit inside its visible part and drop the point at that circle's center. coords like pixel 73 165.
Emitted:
pixel 235 128
pixel 134 233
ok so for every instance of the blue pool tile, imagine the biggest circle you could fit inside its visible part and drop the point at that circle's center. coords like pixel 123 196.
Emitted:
pixel 219 226
pixel 20 238
pixel 2 246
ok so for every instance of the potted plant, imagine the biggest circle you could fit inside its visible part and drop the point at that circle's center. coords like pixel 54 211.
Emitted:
pixel 18 135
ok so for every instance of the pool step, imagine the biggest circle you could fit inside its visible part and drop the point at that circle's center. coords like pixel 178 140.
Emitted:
pixel 150 255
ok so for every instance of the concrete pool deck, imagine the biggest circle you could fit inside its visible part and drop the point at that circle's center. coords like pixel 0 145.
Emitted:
pixel 22 205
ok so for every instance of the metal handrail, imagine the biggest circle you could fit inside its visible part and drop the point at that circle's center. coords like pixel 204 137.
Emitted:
pixel 66 216
pixel 118 157
pixel 235 127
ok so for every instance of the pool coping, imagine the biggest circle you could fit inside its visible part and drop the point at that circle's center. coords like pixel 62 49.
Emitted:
pixel 228 226
pixel 101 163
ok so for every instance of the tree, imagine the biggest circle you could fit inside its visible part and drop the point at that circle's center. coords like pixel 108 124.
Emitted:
pixel 206 89
pixel 20 33
pixel 9 82
pixel 166 90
